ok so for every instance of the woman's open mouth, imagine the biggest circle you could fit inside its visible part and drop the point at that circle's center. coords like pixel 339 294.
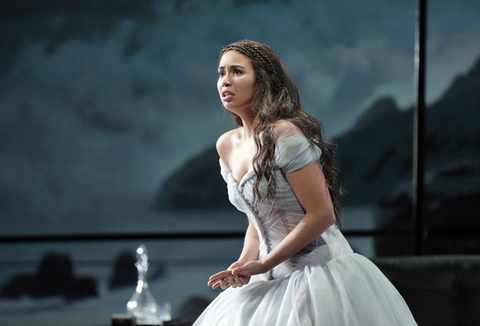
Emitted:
pixel 227 96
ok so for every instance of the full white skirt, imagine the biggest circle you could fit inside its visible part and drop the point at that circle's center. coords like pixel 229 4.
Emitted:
pixel 348 290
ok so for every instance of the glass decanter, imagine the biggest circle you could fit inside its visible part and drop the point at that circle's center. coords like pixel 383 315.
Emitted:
pixel 142 304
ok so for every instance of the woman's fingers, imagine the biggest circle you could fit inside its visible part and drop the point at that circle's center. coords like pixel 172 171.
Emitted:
pixel 221 283
pixel 222 274
pixel 224 284
pixel 219 276
pixel 233 281
pixel 244 280
pixel 221 279
pixel 226 278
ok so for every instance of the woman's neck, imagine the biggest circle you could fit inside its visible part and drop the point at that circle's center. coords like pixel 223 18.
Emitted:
pixel 248 129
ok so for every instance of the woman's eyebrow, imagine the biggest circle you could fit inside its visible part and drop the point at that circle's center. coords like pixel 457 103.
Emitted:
pixel 232 67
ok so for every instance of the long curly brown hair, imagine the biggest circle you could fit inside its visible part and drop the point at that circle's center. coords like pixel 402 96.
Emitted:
pixel 277 99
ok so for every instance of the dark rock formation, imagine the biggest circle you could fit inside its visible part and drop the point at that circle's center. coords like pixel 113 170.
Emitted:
pixel 124 272
pixel 196 185
pixel 54 277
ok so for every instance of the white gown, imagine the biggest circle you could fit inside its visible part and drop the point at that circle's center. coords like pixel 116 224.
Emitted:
pixel 326 283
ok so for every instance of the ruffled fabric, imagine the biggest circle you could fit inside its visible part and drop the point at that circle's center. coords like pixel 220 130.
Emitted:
pixel 293 151
pixel 324 284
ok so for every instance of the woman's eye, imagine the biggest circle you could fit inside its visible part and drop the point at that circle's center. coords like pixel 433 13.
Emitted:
pixel 221 73
pixel 238 72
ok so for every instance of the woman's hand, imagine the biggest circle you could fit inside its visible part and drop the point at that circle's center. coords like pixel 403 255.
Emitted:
pixel 248 269
pixel 224 279
pixel 237 275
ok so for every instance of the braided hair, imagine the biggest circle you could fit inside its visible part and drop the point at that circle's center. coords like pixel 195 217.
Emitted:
pixel 277 99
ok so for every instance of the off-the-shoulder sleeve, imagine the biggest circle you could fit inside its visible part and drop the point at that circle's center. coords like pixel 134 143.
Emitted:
pixel 293 151
pixel 224 169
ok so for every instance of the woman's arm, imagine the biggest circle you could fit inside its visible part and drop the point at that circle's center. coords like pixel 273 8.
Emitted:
pixel 249 253
pixel 310 188
pixel 250 245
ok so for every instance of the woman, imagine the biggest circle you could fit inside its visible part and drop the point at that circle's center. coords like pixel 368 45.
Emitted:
pixel 296 268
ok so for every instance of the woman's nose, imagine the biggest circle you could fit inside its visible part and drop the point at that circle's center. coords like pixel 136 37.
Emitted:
pixel 226 80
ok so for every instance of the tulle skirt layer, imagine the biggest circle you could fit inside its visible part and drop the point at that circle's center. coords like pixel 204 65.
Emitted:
pixel 348 290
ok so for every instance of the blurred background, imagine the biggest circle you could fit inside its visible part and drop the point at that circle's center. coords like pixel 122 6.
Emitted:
pixel 109 117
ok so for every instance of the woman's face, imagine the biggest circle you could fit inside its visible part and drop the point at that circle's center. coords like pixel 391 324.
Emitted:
pixel 236 81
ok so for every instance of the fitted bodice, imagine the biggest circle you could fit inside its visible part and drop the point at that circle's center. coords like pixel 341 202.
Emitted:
pixel 275 218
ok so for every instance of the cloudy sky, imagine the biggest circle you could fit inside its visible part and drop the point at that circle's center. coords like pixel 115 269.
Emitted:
pixel 109 100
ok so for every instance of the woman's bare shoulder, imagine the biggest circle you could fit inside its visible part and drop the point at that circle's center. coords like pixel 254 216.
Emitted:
pixel 224 142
